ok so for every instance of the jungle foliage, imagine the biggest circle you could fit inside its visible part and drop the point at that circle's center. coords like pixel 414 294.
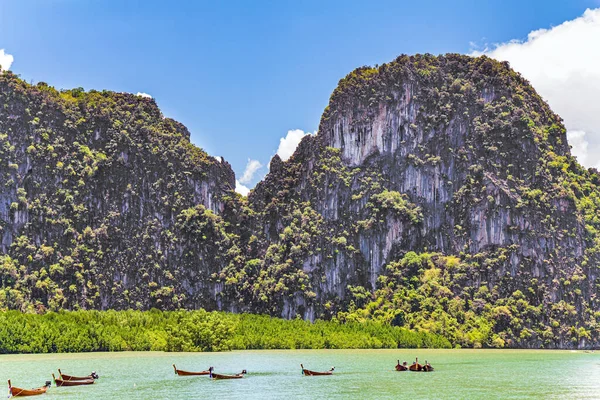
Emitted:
pixel 154 330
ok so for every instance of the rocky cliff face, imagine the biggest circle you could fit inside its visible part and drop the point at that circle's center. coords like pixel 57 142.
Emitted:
pixel 447 155
pixel 104 202
pixel 439 194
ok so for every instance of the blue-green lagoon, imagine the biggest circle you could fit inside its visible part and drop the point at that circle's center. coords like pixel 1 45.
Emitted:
pixel 359 374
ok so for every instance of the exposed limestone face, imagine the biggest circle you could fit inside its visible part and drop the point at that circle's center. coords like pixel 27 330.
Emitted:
pixel 466 141
pixel 93 199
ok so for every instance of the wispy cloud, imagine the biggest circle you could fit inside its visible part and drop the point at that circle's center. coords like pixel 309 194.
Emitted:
pixel 563 63
pixel 6 60
pixel 288 144
pixel 251 168
pixel 142 94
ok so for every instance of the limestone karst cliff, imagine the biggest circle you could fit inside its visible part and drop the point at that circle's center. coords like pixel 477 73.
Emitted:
pixel 439 194
pixel 436 157
pixel 104 202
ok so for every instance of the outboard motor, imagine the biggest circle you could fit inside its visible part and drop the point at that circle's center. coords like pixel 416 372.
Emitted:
pixel 48 384
pixel 94 375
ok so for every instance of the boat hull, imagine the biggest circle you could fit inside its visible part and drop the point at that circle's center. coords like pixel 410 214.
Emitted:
pixel 189 373
pixel 315 373
pixel 18 392
pixel 221 376
pixel 61 382
pixel 66 377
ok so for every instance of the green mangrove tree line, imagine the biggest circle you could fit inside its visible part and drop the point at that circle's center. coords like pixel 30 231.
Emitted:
pixel 83 331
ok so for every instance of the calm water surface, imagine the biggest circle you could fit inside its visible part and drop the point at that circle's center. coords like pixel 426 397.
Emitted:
pixel 359 374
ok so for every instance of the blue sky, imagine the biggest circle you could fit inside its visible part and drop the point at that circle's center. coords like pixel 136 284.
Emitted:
pixel 241 74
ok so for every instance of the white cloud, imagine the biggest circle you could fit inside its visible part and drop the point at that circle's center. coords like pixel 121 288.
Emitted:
pixel 288 144
pixel 563 64
pixel 579 146
pixel 6 60
pixel 251 168
pixel 142 94
pixel 241 189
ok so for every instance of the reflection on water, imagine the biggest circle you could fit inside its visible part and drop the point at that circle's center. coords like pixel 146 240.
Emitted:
pixel 364 374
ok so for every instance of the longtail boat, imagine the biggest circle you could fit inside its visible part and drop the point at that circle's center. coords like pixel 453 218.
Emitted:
pixel 15 391
pixel 66 377
pixel 308 372
pixel 186 373
pixel 61 382
pixel 427 367
pixel 416 367
pixel 222 376
pixel 401 367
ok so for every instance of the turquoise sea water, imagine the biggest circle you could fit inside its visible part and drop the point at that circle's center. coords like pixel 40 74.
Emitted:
pixel 359 374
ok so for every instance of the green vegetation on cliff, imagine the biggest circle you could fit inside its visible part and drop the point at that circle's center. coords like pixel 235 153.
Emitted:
pixel 105 203
pixel 432 293
pixel 82 331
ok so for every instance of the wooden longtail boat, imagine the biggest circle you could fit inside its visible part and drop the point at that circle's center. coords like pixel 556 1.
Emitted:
pixel 186 373
pixel 415 367
pixel 61 382
pixel 15 391
pixel 427 367
pixel 221 376
pixel 308 372
pixel 401 367
pixel 66 377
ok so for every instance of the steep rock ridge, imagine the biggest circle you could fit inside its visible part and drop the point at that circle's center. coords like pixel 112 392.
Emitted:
pixel 104 202
pixel 452 155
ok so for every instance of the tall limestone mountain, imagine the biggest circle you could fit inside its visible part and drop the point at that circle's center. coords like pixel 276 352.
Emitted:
pixel 104 203
pixel 439 194
pixel 447 185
